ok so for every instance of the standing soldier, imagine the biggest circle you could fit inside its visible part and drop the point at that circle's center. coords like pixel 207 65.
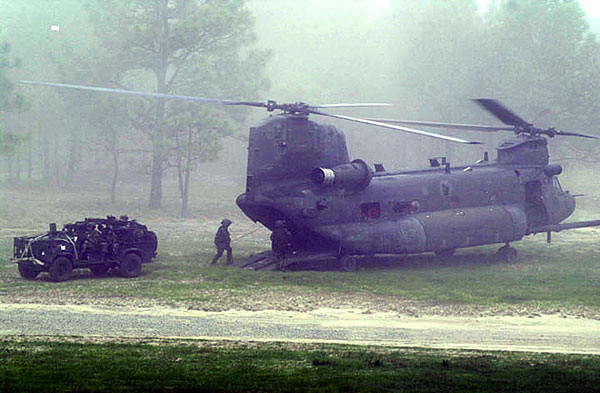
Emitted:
pixel 222 240
pixel 91 246
pixel 281 240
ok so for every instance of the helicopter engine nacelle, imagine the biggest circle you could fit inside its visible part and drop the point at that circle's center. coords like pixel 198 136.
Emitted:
pixel 355 175
pixel 553 170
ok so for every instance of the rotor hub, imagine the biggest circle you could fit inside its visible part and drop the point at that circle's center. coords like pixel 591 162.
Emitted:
pixel 535 131
pixel 297 108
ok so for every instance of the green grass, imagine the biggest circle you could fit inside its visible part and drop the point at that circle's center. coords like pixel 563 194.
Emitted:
pixel 561 276
pixel 548 280
pixel 35 365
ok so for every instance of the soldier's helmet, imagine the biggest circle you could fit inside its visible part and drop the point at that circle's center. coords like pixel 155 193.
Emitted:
pixel 279 224
pixel 226 222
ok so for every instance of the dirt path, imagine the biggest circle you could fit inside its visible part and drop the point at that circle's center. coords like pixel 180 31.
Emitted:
pixel 545 333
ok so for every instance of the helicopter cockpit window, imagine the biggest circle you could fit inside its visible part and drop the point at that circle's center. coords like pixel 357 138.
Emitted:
pixel 370 211
pixel 556 185
pixel 404 207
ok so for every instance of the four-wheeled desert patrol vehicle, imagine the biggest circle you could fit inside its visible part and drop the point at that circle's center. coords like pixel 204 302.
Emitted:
pixel 98 244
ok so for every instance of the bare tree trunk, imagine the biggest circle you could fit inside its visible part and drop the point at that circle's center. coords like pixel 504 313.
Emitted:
pixel 56 164
pixel 17 178
pixel 156 182
pixel 158 142
pixel 74 157
pixel 9 167
pixel 45 152
pixel 115 179
pixel 29 159
pixel 185 211
pixel 179 165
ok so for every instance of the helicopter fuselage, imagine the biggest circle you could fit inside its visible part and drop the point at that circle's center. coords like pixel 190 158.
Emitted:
pixel 299 171
pixel 331 203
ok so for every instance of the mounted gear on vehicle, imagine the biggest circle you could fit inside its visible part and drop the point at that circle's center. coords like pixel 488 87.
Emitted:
pixel 98 244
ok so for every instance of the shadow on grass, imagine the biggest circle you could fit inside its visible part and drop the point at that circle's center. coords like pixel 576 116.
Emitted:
pixel 413 262
pixel 84 274
pixel 425 261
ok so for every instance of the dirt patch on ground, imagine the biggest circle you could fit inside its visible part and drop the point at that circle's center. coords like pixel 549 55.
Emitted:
pixel 297 300
pixel 545 333
pixel 177 242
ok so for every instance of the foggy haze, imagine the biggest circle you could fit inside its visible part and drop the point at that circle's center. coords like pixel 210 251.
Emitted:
pixel 349 256
pixel 427 58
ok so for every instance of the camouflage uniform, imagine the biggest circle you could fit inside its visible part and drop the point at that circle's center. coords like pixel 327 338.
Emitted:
pixel 91 244
pixel 280 239
pixel 222 240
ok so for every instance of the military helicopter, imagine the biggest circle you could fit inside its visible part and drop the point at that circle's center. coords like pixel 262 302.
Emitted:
pixel 299 172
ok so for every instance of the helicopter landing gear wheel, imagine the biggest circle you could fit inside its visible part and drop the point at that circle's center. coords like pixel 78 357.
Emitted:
pixel 348 263
pixel 508 253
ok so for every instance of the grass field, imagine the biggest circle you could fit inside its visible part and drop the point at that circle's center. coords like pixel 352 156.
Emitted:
pixel 563 277
pixel 148 365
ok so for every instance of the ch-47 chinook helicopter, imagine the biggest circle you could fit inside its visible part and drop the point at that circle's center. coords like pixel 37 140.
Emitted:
pixel 299 171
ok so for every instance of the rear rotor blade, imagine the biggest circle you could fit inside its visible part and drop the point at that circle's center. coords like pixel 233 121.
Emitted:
pixel 399 128
pixel 557 132
pixel 501 112
pixel 469 127
pixel 201 100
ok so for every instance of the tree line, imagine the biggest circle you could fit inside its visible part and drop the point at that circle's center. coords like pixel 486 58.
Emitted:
pixel 429 57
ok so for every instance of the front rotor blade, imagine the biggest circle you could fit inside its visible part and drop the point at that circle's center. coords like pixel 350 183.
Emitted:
pixel 201 100
pixel 501 112
pixel 469 127
pixel 399 128
pixel 359 105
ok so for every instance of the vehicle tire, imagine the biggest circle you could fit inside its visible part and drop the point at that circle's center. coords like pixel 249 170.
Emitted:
pixel 27 271
pixel 99 270
pixel 131 265
pixel 348 263
pixel 61 269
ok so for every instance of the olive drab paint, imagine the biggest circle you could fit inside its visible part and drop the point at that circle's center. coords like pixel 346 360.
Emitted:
pixel 299 172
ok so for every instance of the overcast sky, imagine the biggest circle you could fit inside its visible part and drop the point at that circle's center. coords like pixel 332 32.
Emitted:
pixel 591 7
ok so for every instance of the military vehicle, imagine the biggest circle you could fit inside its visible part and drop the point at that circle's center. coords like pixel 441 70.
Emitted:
pixel 299 171
pixel 98 244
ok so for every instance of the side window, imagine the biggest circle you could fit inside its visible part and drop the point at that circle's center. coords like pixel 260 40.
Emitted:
pixel 557 186
pixel 404 207
pixel 445 188
pixel 370 211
